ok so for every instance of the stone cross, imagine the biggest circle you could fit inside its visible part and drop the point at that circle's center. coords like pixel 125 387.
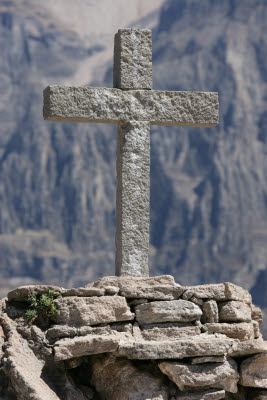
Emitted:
pixel 133 106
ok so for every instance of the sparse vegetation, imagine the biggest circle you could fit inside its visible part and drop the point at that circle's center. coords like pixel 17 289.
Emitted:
pixel 41 305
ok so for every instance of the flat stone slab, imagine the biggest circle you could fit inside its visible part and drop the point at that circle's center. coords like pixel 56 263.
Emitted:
pixel 79 311
pixel 202 395
pixel 194 377
pixel 247 347
pixel 86 104
pixel 192 347
pixel 161 287
pixel 234 311
pixel 84 292
pixel 253 371
pixel 171 333
pixel 219 292
pixel 208 359
pixel 65 349
pixel 241 331
pixel 167 311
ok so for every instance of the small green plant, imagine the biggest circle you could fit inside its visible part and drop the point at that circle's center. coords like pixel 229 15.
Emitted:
pixel 42 305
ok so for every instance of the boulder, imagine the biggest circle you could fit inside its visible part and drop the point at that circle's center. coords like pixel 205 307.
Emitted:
pixel 120 380
pixel 192 377
pixel 210 312
pixel 234 311
pixel 157 288
pixel 192 347
pixel 241 331
pixel 253 371
pixel 166 311
pixel 78 311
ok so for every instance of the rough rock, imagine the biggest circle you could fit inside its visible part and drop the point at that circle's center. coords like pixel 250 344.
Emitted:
pixel 37 340
pixel 132 201
pixel 202 395
pixel 24 369
pixel 209 359
pixel 84 291
pixel 92 310
pixel 234 311
pixel 64 331
pixel 105 105
pixel 171 333
pixel 188 376
pixel 193 347
pixel 65 349
pixel 241 331
pixel 23 292
pixel 248 347
pixel 256 327
pixel 166 311
pixel 219 291
pixel 160 287
pixel 132 59
pixel 256 314
pixel 120 380
pixel 210 312
pixel 253 371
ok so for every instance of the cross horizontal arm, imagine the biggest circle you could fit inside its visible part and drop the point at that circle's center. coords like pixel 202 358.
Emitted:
pixel 85 104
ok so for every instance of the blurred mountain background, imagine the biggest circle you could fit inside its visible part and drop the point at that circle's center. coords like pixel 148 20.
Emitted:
pixel 58 181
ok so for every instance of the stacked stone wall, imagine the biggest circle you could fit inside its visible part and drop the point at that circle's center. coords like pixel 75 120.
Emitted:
pixel 125 338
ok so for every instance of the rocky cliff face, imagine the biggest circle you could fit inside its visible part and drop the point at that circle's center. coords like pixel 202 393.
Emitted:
pixel 208 186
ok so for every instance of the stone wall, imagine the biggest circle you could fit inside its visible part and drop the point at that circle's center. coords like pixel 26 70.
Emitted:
pixel 124 338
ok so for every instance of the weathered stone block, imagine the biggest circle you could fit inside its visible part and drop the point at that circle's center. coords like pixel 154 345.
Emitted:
pixel 248 347
pixel 171 333
pixel 218 291
pixel 79 311
pixel 65 349
pixel 85 104
pixel 256 314
pixel 210 312
pixel 120 380
pixel 253 371
pixel 23 292
pixel 202 395
pixel 84 292
pixel 164 311
pixel 204 376
pixel 160 287
pixel 133 194
pixel 234 311
pixel 191 347
pixel 208 359
pixel 132 59
pixel 241 331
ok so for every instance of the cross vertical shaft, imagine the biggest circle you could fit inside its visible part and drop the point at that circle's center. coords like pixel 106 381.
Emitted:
pixel 132 71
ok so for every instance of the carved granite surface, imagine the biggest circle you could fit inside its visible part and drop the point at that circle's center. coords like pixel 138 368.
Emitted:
pixel 132 338
pixel 87 104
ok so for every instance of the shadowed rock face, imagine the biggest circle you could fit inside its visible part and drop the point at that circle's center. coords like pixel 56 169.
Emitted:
pixel 208 187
